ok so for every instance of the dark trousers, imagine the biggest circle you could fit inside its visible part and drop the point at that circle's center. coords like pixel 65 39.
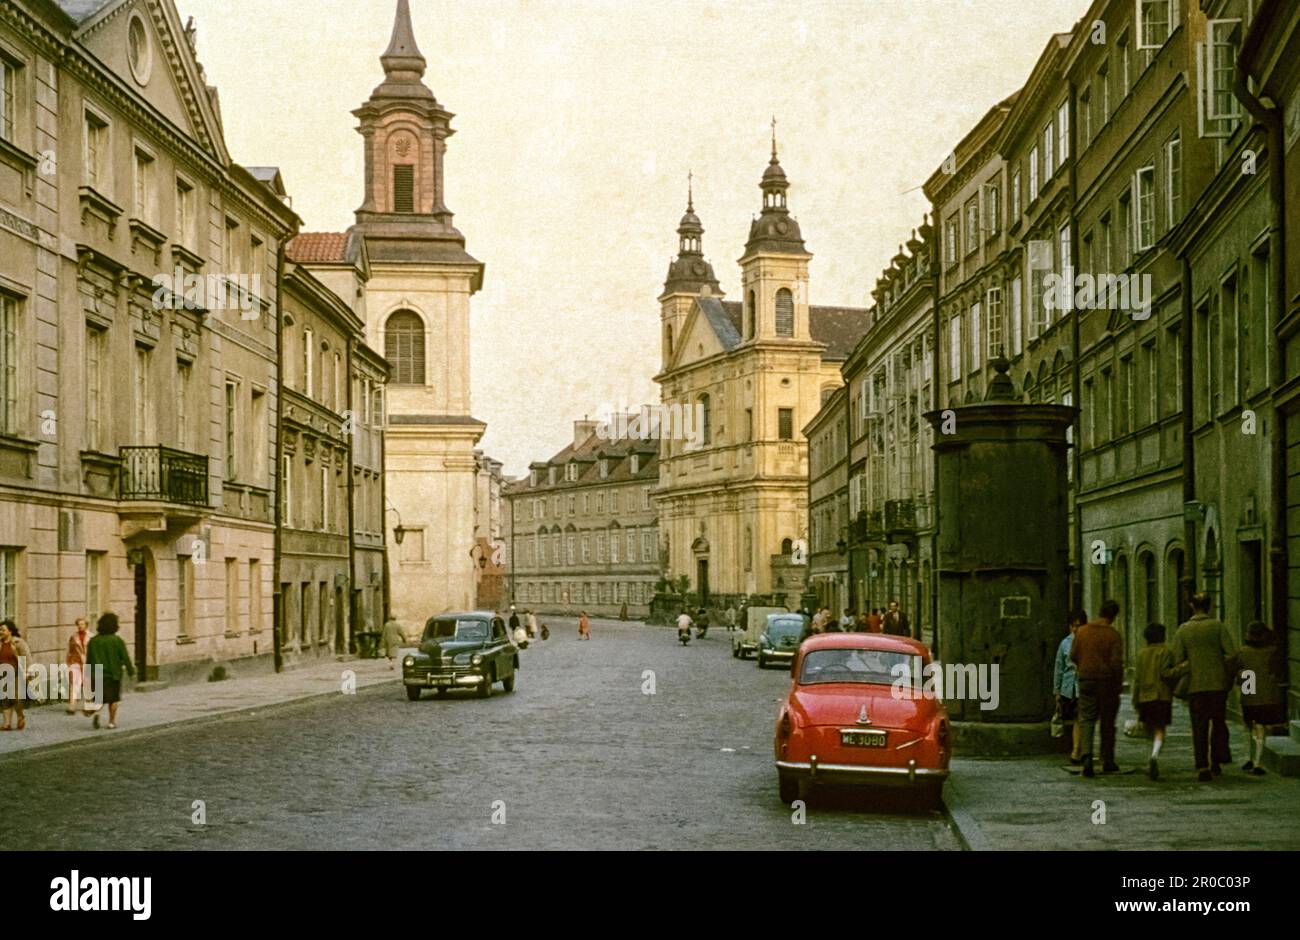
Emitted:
pixel 1209 728
pixel 1099 703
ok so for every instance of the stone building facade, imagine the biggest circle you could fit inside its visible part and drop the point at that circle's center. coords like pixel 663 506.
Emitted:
pixel 331 464
pixel 1115 230
pixel 748 376
pixel 138 313
pixel 416 311
pixel 584 527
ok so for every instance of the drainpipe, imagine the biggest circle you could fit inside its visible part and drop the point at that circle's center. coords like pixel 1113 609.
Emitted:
pixel 352 521
pixel 1075 591
pixel 1271 118
pixel 936 373
pixel 1188 585
pixel 277 600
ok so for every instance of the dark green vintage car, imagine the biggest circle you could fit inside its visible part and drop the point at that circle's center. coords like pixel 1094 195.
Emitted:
pixel 462 651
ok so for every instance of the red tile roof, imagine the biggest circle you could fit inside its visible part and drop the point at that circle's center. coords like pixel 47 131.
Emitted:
pixel 319 248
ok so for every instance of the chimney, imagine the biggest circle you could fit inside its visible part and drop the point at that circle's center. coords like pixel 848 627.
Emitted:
pixel 583 429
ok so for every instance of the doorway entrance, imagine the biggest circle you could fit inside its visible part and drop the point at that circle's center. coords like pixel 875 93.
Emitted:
pixel 144 670
pixel 702 580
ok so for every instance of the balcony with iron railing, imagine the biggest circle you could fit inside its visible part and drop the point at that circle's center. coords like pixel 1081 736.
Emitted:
pixel 900 516
pixel 162 474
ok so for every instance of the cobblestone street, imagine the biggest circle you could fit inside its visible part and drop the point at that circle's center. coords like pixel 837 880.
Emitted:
pixel 580 757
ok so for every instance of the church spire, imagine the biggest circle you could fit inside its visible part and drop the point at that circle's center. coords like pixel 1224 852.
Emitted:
pixel 404 64
pixel 689 271
pixel 774 229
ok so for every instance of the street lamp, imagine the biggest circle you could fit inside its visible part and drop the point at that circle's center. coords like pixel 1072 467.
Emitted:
pixel 399 532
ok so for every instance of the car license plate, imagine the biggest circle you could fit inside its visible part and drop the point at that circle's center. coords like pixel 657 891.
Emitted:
pixel 862 738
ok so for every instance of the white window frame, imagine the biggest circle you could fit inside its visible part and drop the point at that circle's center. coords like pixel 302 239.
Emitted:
pixel 954 347
pixel 1017 314
pixel 1144 208
pixel 1063 132
pixel 1209 123
pixel 993 300
pixel 992 208
pixel 1033 173
pixel 1049 151
pixel 1173 180
pixel 1139 18
pixel 976 337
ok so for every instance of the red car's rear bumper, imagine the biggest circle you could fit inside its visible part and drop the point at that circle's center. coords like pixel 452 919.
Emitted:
pixel 816 771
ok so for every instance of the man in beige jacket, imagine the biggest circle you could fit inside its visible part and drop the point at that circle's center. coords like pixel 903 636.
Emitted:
pixel 1205 651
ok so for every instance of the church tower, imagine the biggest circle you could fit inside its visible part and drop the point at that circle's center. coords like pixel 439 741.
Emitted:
pixel 417 313
pixel 689 276
pixel 774 268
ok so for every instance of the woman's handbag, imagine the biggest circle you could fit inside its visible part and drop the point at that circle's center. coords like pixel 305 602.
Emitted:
pixel 1057 725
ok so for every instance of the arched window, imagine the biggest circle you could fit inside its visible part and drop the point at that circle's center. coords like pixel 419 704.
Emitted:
pixel 669 337
pixel 751 313
pixel 749 549
pixel 404 347
pixel 787 546
pixel 1150 593
pixel 706 420
pixel 1176 568
pixel 784 312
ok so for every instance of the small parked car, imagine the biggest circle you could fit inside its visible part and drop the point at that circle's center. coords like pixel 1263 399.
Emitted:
pixel 461 651
pixel 745 640
pixel 851 718
pixel 779 639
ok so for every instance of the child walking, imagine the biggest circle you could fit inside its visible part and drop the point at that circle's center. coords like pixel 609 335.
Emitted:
pixel 1152 696
pixel 1261 692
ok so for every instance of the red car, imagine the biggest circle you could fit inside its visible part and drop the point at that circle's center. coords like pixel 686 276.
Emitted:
pixel 852 717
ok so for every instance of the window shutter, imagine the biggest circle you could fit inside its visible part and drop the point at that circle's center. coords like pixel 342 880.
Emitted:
pixel 404 189
pixel 784 313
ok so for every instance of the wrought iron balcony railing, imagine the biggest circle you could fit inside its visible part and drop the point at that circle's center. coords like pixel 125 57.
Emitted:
pixel 163 474
pixel 900 515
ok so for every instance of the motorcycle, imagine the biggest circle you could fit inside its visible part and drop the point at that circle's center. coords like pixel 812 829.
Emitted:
pixel 684 635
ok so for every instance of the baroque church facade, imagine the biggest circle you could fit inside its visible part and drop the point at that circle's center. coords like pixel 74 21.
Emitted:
pixel 415 304
pixel 733 503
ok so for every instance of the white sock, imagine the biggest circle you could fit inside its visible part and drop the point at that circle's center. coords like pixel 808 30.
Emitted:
pixel 1155 747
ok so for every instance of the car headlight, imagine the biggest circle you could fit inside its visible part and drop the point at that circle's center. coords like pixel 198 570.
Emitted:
pixel 408 662
pixel 462 659
pixel 477 660
pixel 762 640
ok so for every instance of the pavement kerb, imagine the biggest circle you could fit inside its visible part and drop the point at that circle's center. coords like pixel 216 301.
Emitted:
pixel 119 734
pixel 964 825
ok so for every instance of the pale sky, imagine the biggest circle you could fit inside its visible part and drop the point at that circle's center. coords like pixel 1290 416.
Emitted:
pixel 577 122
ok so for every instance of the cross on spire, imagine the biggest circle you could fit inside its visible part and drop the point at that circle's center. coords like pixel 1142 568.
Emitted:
pixel 774 138
pixel 690 191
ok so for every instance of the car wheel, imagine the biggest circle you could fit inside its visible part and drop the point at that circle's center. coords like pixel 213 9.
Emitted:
pixel 485 687
pixel 413 692
pixel 735 652
pixel 788 788
pixel 508 683
pixel 762 663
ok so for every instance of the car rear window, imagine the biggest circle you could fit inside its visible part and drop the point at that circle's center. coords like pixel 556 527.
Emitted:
pixel 872 667
pixel 782 626
pixel 445 628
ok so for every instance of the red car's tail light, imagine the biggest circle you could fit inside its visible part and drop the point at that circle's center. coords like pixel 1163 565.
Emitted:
pixel 784 728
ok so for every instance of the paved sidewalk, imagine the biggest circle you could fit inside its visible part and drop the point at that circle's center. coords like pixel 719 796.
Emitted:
pixel 50 726
pixel 1034 803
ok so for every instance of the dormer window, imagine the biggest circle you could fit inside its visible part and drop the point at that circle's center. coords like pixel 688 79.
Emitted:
pixel 571 472
pixel 604 467
pixel 532 478
pixel 550 475
pixel 636 464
